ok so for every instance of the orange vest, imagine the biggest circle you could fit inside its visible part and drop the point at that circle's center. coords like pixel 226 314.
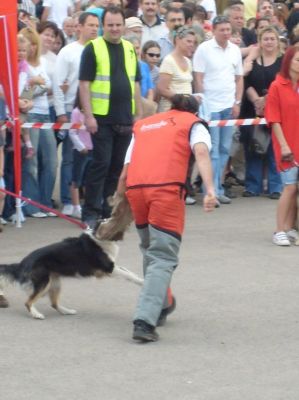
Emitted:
pixel 161 150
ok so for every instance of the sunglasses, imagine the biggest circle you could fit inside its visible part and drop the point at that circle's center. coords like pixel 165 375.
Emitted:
pixel 154 55
pixel 220 19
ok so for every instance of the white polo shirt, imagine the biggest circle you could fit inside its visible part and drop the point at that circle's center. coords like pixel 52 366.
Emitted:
pixel 220 67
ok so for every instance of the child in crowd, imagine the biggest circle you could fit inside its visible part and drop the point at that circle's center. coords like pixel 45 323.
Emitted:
pixel 25 92
pixel 81 156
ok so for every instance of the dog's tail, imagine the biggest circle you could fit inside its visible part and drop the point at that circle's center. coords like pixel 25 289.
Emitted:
pixel 9 273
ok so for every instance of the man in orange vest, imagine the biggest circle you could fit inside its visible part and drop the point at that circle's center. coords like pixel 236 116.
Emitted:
pixel 154 179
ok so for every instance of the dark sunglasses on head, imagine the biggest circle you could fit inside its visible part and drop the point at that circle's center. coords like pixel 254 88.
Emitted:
pixel 153 55
pixel 220 19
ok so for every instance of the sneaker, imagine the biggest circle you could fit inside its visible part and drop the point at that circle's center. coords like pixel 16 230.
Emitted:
pixel 77 213
pixel 67 210
pixel 189 201
pixel 3 302
pixel 247 193
pixel 281 239
pixel 50 214
pixel 165 312
pixel 293 235
pixel 274 196
pixel 224 199
pixel 3 221
pixel 144 332
pixel 38 214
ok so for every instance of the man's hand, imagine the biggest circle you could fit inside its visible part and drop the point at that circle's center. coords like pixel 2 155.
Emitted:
pixel 236 111
pixel 91 124
pixel 209 202
pixel 62 119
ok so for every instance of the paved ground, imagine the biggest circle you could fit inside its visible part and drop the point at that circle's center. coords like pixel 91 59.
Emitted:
pixel 234 335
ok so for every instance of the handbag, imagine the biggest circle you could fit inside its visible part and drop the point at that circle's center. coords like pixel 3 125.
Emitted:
pixel 260 140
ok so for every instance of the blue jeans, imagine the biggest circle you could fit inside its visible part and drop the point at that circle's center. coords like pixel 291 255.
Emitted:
pixel 39 172
pixel 66 170
pixel 221 138
pixel 255 172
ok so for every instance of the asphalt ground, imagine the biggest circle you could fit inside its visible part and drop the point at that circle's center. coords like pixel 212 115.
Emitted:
pixel 234 335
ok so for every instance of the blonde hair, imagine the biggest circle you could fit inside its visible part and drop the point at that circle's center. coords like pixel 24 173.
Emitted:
pixel 270 29
pixel 33 38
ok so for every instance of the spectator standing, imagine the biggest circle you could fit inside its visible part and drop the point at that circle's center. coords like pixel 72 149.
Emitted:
pixel 282 114
pixel 151 53
pixel 153 27
pixel 66 81
pixel 48 31
pixel 29 6
pixel 110 96
pixel 218 72
pixel 266 9
pixel 257 82
pixel 82 145
pixel 174 18
pixel 175 75
pixel 236 18
pixel 68 30
pixel 39 172
pixel 57 10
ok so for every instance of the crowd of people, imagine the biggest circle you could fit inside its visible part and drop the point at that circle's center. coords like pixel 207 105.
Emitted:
pixel 161 68
pixel 226 54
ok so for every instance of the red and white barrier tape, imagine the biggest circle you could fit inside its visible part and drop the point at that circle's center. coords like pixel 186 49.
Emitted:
pixel 220 123
pixel 82 225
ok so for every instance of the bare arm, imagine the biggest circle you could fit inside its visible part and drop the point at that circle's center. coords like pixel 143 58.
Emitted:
pixel 239 93
pixel 138 103
pixel 45 14
pixel 90 121
pixel 163 86
pixel 121 186
pixel 198 82
pixel 277 130
pixel 204 165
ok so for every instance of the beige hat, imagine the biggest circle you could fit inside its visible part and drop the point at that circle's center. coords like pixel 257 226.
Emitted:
pixel 133 22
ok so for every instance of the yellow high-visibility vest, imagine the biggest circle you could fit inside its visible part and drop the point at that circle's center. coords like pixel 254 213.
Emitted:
pixel 100 88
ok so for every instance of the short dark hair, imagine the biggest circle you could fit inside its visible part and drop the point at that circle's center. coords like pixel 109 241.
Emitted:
pixel 42 26
pixel 173 10
pixel 113 10
pixel 184 102
pixel 83 17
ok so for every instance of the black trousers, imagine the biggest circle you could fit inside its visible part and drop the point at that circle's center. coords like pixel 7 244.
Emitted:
pixel 108 154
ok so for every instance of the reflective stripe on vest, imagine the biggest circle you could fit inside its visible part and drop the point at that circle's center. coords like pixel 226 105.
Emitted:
pixel 100 87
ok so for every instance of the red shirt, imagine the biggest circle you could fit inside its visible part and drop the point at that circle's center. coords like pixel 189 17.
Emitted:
pixel 282 106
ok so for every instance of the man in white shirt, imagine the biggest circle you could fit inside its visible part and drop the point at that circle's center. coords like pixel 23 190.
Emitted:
pixel 57 10
pixel 65 84
pixel 218 73
pixel 152 26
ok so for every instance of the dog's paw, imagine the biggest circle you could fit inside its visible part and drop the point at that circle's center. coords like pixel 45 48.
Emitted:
pixel 36 314
pixel 66 311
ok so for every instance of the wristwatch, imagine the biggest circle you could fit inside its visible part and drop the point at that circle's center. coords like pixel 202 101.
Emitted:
pixel 238 102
